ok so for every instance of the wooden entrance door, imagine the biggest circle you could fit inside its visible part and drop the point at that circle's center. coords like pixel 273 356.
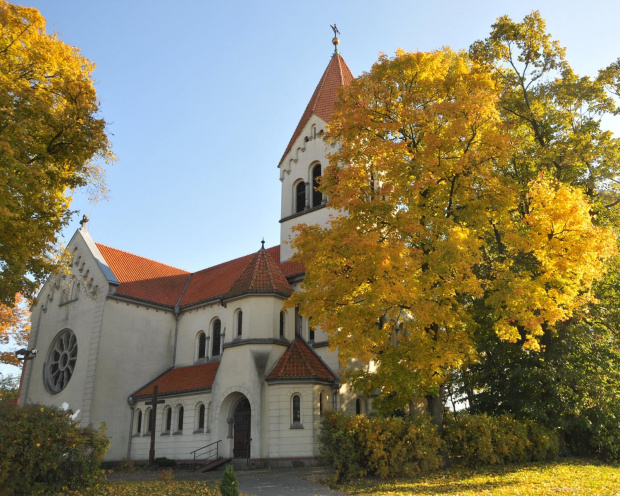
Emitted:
pixel 242 418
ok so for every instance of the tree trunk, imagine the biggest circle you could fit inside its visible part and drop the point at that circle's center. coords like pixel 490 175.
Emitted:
pixel 434 405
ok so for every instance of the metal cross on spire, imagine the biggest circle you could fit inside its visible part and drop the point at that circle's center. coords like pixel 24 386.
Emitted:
pixel 336 40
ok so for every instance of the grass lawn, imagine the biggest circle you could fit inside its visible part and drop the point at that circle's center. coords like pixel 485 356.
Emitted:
pixel 567 477
pixel 149 488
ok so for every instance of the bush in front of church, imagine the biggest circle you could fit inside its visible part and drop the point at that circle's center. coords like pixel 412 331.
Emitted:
pixel 357 445
pixel 42 450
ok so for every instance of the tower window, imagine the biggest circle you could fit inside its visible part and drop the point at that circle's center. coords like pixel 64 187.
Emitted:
pixel 239 322
pixel 300 197
pixel 317 196
pixel 281 324
pixel 217 331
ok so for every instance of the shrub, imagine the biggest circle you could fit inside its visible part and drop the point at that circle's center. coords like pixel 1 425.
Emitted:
pixel 164 462
pixel 229 485
pixel 477 440
pixel 387 447
pixel 42 449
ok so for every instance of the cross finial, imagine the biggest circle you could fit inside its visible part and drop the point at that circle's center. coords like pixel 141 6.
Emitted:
pixel 84 221
pixel 336 40
pixel 263 244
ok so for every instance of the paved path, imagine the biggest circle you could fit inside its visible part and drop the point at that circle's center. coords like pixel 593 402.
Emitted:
pixel 262 482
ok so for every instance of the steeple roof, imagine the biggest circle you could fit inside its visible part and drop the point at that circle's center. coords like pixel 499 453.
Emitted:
pixel 336 75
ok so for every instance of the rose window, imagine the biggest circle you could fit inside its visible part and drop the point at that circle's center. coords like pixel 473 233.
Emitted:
pixel 61 361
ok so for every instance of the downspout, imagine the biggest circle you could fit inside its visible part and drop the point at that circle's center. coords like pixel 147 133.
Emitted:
pixel 177 312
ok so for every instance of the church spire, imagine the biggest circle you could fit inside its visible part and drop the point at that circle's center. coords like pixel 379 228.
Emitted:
pixel 336 75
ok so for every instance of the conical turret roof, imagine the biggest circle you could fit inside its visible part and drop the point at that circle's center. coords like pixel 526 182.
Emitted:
pixel 336 75
pixel 261 275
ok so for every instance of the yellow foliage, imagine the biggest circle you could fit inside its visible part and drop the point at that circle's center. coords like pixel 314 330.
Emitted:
pixel 51 142
pixel 437 227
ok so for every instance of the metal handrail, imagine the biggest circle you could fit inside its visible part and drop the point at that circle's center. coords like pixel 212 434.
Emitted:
pixel 207 454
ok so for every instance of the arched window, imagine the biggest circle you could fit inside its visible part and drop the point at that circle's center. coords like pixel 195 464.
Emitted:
pixel 310 331
pixel 180 419
pixel 202 345
pixel 296 410
pixel 139 422
pixel 239 322
pixel 201 417
pixel 358 406
pixel 147 420
pixel 167 424
pixel 300 197
pixel 281 324
pixel 321 403
pixel 217 334
pixel 317 196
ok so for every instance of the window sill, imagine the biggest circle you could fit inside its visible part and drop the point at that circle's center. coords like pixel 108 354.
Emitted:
pixel 165 433
pixel 199 431
pixel 297 426
pixel 177 433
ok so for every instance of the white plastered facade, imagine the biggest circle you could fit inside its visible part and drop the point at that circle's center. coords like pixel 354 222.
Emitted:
pixel 124 344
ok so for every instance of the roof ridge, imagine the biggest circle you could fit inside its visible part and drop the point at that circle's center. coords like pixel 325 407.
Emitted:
pixel 140 256
pixel 233 260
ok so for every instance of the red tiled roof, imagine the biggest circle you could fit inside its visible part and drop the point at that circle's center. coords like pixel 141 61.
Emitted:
pixel 261 275
pixel 300 362
pixel 145 279
pixel 218 280
pixel 336 75
pixel 151 281
pixel 182 380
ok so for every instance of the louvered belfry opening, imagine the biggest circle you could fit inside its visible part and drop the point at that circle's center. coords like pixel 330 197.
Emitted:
pixel 317 196
pixel 300 197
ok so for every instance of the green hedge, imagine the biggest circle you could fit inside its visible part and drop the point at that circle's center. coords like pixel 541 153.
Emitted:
pixel 477 440
pixel 43 450
pixel 358 445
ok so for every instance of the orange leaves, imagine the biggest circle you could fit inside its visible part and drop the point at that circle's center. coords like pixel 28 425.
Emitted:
pixel 14 328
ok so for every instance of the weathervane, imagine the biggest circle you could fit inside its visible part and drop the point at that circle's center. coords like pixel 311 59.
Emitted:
pixel 336 40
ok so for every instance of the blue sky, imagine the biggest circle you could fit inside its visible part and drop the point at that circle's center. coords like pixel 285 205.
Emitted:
pixel 202 97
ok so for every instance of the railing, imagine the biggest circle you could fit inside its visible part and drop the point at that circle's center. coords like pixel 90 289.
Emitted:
pixel 210 452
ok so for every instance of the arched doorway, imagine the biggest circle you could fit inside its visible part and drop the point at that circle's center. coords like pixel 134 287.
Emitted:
pixel 242 429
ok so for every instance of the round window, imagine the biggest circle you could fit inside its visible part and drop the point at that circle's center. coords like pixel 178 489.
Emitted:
pixel 61 361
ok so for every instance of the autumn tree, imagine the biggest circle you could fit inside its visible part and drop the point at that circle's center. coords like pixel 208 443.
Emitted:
pixel 14 329
pixel 571 382
pixel 435 223
pixel 52 142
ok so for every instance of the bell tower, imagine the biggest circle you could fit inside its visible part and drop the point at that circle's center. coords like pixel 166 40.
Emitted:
pixel 304 159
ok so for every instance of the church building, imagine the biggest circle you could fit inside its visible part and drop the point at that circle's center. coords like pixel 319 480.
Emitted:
pixel 234 369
